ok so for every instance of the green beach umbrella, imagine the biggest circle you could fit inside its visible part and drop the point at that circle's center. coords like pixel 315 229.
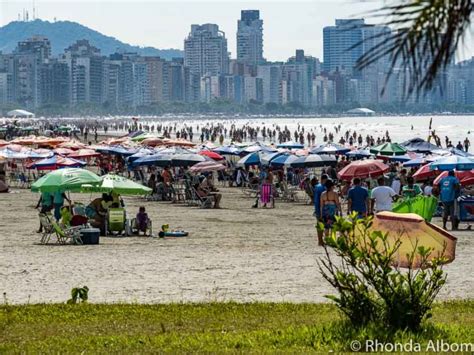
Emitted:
pixel 117 184
pixel 70 179
pixel 388 149
pixel 143 136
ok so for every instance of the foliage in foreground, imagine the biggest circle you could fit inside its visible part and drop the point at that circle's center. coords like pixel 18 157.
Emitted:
pixel 213 327
pixel 370 287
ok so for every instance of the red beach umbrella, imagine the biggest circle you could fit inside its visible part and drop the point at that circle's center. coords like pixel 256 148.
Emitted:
pixel 211 154
pixel 363 169
pixel 466 178
pixel 424 173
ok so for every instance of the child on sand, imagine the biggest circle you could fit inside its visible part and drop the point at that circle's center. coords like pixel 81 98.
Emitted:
pixel 142 220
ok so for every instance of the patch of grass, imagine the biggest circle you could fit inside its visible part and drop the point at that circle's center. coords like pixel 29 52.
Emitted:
pixel 213 327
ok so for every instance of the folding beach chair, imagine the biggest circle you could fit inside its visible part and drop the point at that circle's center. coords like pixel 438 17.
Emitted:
pixel 65 235
pixel 267 195
pixel 134 227
pixel 116 221
pixel 203 202
pixel 47 226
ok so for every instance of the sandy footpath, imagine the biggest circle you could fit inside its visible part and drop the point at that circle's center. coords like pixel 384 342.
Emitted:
pixel 235 253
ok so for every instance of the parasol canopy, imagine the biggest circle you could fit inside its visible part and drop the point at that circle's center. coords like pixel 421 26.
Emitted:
pixel 363 169
pixel 211 154
pixel 453 162
pixel 329 148
pixel 84 153
pixel 227 150
pixel 465 178
pixel 424 173
pixel 283 160
pixel 291 145
pixel 413 232
pixel 314 161
pixel 249 160
pixel 388 149
pixel 69 179
pixel 117 184
pixel 206 166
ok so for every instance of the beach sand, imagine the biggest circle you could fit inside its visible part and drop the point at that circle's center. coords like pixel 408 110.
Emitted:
pixel 234 253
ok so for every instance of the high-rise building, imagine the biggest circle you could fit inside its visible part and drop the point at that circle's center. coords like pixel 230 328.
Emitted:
pixel 250 37
pixel 348 40
pixel 271 75
pixel 205 50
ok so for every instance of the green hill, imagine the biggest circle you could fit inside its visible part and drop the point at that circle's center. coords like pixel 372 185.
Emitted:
pixel 63 33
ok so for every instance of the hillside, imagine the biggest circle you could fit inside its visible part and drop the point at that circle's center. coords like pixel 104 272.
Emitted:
pixel 63 33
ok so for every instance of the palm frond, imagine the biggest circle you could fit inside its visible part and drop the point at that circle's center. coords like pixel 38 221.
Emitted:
pixel 426 34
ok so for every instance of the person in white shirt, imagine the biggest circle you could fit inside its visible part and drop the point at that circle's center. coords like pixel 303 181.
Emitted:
pixel 428 189
pixel 382 197
pixel 396 185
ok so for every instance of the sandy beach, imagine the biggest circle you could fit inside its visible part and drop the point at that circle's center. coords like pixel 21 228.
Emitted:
pixel 235 253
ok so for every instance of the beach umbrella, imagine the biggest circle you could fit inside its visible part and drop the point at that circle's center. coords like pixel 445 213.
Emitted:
pixel 425 172
pixel 453 162
pixel 84 153
pixel 465 178
pixel 227 150
pixel 63 151
pixel 56 162
pixel 187 159
pixel 173 150
pixel 413 231
pixel 206 166
pixel 68 179
pixel 73 144
pixel 117 184
pixel 142 137
pixel 211 154
pixel 419 145
pixel 359 153
pixel 419 161
pixel 363 169
pixel 178 142
pixel 152 142
pixel 154 160
pixel 258 148
pixel 249 160
pixel 120 150
pixel 291 145
pixel 329 148
pixel 314 161
pixel 283 160
pixel 266 158
pixel 143 152
pixel 3 143
pixel 388 149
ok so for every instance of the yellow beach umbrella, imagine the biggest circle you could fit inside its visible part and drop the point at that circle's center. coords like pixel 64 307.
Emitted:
pixel 413 232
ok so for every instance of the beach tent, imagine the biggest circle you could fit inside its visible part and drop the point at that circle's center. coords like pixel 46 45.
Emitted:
pixel 419 145
pixel 20 114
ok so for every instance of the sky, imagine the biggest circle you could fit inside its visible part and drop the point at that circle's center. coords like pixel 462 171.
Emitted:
pixel 288 25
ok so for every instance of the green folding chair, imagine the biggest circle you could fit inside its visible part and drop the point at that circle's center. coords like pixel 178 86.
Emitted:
pixel 65 235
pixel 116 222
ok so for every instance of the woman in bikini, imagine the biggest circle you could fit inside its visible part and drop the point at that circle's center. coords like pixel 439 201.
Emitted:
pixel 330 206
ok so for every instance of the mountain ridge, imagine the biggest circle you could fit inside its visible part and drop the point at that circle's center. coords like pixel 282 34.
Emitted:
pixel 64 33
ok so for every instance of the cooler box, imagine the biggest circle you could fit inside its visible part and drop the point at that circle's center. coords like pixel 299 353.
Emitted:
pixel 90 235
pixel 466 208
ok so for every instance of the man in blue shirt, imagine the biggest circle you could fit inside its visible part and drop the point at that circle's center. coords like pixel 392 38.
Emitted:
pixel 358 199
pixel 317 192
pixel 448 191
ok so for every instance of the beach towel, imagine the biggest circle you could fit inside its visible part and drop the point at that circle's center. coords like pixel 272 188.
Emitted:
pixel 423 206
pixel 266 193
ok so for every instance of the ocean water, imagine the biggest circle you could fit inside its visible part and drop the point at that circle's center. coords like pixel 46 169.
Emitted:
pixel 400 128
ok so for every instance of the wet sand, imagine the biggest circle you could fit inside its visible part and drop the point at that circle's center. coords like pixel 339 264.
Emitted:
pixel 235 253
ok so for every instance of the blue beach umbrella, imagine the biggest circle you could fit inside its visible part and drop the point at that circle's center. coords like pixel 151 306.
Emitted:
pixel 227 150
pixel 154 160
pixel 330 148
pixel 418 162
pixel 291 145
pixel 266 158
pixel 249 160
pixel 359 153
pixel 453 162
pixel 283 160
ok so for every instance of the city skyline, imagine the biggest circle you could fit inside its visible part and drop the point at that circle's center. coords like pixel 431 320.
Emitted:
pixel 303 20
